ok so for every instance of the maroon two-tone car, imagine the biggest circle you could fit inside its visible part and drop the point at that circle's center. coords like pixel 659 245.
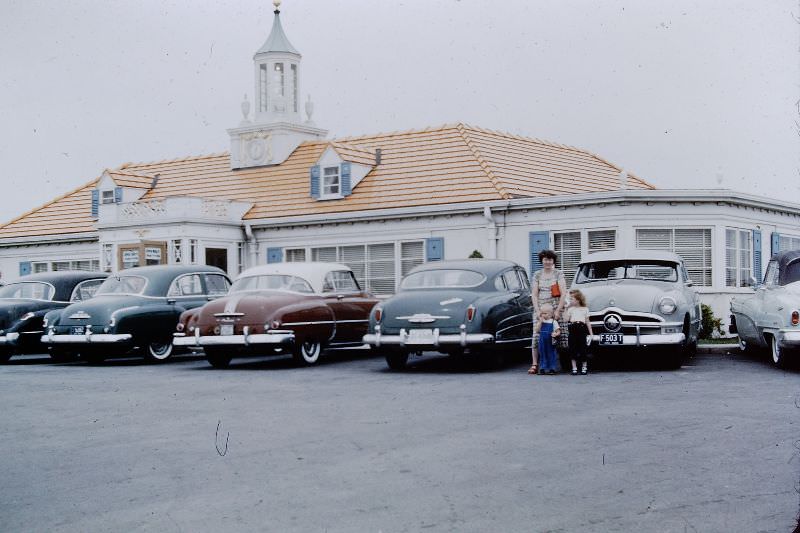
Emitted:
pixel 297 308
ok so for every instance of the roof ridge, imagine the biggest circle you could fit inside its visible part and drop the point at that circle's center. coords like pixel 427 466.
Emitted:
pixel 173 160
pixel 129 173
pixel 442 127
pixel 482 162
pixel 46 204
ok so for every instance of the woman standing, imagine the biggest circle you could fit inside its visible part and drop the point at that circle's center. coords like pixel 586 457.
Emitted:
pixel 548 287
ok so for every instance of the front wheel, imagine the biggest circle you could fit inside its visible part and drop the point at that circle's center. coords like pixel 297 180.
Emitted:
pixel 307 352
pixel 778 355
pixel 158 350
pixel 397 360
pixel 216 358
pixel 5 355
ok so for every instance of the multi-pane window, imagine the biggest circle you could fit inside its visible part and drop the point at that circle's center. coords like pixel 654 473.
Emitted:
pixel 294 87
pixel 193 251
pixel 693 245
pixel 107 197
pixel 601 240
pixel 279 78
pixel 175 252
pixel 240 256
pixel 107 257
pixel 330 181
pixel 90 265
pixel 567 246
pixel 262 88
pixel 377 267
pixel 738 257
pixel 295 255
pixel 788 242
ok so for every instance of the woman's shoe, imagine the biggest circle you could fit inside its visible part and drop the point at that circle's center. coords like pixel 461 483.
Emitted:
pixel 533 369
pixel 574 371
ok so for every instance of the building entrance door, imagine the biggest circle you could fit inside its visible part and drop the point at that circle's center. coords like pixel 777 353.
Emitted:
pixel 217 257
pixel 141 254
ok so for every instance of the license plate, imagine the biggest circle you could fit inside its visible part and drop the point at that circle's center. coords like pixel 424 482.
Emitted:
pixel 76 330
pixel 420 336
pixel 611 338
pixel 226 329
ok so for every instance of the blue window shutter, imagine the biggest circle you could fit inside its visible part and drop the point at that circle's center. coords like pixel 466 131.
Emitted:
pixel 95 203
pixel 757 254
pixel 314 186
pixel 24 268
pixel 118 195
pixel 344 176
pixel 775 245
pixel 434 249
pixel 539 240
pixel 274 255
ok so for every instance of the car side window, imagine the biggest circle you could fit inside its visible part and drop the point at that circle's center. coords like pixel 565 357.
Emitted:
pixel 499 284
pixel 217 285
pixel 186 285
pixel 85 290
pixel 523 279
pixel 771 276
pixel 340 280
pixel 512 280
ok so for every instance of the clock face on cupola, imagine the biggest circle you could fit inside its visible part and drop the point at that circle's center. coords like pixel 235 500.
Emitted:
pixel 276 127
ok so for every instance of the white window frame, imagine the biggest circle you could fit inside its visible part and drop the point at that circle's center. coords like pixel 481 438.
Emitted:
pixel 701 272
pixel 334 188
pixel 738 257
pixel 788 242
pixel 107 196
pixel 568 255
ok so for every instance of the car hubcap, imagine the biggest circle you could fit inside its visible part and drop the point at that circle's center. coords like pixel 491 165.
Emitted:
pixel 310 351
pixel 160 350
pixel 776 351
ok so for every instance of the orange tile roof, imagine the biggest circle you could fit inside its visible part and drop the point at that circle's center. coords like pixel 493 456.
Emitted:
pixel 449 164
pixel 125 178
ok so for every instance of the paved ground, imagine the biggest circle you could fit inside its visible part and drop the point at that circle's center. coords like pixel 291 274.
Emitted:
pixel 350 447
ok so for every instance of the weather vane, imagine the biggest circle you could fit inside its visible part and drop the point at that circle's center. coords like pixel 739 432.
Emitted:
pixel 277 4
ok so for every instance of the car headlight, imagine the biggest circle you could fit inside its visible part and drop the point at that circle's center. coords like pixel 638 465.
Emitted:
pixel 667 305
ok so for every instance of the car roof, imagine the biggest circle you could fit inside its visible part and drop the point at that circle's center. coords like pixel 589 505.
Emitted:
pixel 63 275
pixel 786 257
pixel 484 266
pixel 160 277
pixel 632 255
pixel 313 272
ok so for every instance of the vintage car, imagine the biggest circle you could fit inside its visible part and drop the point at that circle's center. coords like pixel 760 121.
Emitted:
pixel 480 307
pixel 133 312
pixel 638 299
pixel 770 317
pixel 297 308
pixel 24 303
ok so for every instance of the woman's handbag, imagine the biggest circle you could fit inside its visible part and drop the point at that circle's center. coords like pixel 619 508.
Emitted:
pixel 555 290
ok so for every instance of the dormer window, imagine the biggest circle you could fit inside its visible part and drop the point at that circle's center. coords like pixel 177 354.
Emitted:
pixel 107 197
pixel 330 181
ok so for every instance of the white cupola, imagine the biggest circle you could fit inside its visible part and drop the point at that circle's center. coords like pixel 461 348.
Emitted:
pixel 277 127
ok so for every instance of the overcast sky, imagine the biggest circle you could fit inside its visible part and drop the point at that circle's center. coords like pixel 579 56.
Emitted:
pixel 686 94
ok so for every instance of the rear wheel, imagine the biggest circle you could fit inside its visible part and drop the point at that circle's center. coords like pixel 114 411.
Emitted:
pixel 672 357
pixel 307 352
pixel 158 350
pixel 217 358
pixel 778 354
pixel 397 359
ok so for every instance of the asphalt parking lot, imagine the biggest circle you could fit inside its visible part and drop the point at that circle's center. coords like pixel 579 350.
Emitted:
pixel 349 447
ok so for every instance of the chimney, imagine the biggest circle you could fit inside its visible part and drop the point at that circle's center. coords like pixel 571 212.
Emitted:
pixel 378 154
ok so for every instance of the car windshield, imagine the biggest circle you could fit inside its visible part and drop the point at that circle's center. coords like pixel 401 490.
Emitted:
pixel 427 279
pixel 28 289
pixel 122 285
pixel 612 270
pixel 275 282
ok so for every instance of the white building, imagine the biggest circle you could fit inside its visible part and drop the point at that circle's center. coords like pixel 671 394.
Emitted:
pixel 383 203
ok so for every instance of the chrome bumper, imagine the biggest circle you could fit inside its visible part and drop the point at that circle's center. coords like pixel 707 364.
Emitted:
pixel 9 338
pixel 788 338
pixel 463 338
pixel 661 339
pixel 196 340
pixel 87 338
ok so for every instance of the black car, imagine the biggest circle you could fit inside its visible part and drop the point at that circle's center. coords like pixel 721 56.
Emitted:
pixel 24 303
pixel 134 312
pixel 481 307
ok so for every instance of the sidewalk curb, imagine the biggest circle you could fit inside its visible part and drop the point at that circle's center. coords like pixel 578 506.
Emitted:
pixel 717 348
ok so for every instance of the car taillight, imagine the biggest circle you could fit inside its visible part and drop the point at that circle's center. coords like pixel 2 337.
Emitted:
pixel 470 313
pixel 795 317
pixel 378 314
pixel 180 326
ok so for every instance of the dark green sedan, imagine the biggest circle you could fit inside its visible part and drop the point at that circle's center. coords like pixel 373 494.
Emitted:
pixel 134 312
pixel 480 307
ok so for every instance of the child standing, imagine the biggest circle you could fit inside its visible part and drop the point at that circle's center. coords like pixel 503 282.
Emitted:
pixel 579 327
pixel 548 330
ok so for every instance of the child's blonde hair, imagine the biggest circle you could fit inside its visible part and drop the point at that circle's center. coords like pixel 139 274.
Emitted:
pixel 546 307
pixel 578 295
